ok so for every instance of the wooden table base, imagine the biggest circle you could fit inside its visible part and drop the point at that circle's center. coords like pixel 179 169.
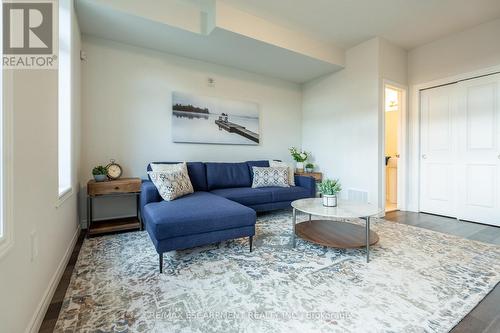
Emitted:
pixel 334 234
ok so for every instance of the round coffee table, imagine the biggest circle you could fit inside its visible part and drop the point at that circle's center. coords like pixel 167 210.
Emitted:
pixel 334 233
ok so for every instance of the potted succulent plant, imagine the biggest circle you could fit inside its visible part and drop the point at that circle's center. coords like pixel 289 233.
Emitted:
pixel 329 190
pixel 309 167
pixel 300 157
pixel 100 173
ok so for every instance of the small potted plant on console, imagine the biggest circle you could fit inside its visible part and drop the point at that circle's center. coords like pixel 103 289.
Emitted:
pixel 100 173
pixel 309 167
pixel 329 189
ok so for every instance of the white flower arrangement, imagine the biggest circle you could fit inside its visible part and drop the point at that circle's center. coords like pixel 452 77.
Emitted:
pixel 298 155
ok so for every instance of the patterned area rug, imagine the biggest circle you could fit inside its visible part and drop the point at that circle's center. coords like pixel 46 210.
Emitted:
pixel 417 281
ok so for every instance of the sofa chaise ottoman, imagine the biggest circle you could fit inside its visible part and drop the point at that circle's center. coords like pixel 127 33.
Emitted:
pixel 223 206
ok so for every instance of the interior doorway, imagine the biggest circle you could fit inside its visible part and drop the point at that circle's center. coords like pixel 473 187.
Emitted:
pixel 393 109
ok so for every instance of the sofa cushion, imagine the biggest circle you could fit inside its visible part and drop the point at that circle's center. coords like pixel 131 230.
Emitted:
pixel 286 193
pixel 196 172
pixel 244 195
pixel 195 213
pixel 261 164
pixel 227 175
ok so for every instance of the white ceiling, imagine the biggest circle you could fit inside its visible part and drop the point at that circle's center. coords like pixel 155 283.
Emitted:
pixel 147 26
pixel 407 23
pixel 295 40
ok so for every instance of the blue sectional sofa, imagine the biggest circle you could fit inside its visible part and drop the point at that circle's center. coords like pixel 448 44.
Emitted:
pixel 223 206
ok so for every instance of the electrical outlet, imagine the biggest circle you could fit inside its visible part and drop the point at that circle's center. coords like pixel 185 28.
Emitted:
pixel 211 82
pixel 34 245
pixel 83 56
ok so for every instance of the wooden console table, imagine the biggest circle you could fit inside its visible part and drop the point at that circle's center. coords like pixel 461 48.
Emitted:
pixel 318 176
pixel 119 187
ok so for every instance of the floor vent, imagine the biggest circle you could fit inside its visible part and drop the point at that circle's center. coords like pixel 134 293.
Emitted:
pixel 357 195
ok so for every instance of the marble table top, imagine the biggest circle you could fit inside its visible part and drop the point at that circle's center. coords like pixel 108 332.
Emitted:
pixel 344 209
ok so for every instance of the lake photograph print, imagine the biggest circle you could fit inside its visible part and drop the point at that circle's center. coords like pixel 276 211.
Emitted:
pixel 202 119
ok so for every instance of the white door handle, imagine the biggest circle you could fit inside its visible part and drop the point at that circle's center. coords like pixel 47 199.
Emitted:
pixel 425 156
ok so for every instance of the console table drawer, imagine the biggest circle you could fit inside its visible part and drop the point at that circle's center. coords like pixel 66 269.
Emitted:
pixel 126 185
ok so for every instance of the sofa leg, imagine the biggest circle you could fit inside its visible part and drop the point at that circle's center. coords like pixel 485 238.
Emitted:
pixel 161 262
pixel 250 240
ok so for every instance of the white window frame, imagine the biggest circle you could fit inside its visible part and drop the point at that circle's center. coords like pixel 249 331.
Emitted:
pixel 65 137
pixel 6 160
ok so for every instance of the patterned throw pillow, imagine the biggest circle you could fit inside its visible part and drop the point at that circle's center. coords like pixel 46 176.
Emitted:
pixel 173 183
pixel 291 170
pixel 167 167
pixel 265 177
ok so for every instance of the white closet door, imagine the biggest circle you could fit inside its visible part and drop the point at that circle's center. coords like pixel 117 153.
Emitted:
pixel 478 121
pixel 438 151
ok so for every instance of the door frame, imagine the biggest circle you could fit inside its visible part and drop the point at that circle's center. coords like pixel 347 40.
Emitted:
pixel 402 146
pixel 414 130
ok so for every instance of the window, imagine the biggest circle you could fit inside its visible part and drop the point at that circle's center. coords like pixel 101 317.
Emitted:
pixel 64 118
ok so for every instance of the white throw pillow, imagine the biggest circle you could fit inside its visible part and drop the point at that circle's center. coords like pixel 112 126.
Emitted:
pixel 157 167
pixel 265 177
pixel 291 170
pixel 173 183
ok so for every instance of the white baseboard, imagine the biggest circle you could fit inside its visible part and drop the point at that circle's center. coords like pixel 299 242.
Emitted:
pixel 412 208
pixel 36 321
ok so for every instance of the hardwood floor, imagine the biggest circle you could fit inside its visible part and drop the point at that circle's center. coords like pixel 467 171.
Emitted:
pixel 484 318
pixel 50 319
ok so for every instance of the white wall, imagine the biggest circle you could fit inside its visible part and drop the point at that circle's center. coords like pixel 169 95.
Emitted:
pixel 443 61
pixel 26 285
pixel 343 116
pixel 340 120
pixel 393 62
pixel 393 69
pixel 126 103
pixel 467 51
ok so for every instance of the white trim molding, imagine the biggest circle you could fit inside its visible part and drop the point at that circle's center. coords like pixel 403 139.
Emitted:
pixel 36 320
pixel 64 196
pixel 7 174
pixel 413 170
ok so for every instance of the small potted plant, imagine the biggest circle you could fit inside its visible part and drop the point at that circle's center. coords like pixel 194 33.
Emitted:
pixel 100 173
pixel 300 157
pixel 309 167
pixel 329 190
